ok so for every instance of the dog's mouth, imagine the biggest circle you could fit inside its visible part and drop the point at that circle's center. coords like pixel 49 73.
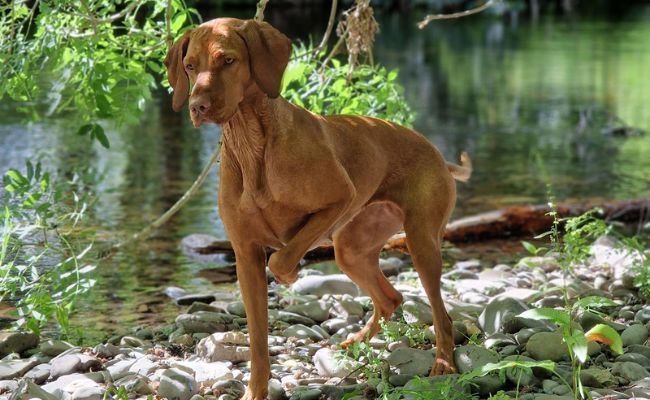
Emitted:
pixel 200 119
pixel 213 112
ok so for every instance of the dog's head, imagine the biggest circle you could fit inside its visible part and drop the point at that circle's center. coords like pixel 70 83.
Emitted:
pixel 221 60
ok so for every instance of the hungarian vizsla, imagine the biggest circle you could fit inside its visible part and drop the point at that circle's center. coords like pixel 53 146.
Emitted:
pixel 291 179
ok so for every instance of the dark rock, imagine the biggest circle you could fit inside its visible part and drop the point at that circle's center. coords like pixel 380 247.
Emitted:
pixel 408 361
pixel 471 356
pixel 195 298
pixel 500 314
pixel 204 321
pixel 17 342
pixel 547 346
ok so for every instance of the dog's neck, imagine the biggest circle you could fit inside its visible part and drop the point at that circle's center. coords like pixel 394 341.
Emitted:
pixel 244 139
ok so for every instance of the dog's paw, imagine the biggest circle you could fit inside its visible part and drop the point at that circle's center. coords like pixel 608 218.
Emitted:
pixel 249 395
pixel 281 270
pixel 442 367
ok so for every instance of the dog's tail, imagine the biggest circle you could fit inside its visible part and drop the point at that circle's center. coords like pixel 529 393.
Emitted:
pixel 463 171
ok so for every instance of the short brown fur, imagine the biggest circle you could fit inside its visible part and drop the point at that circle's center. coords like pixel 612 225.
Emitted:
pixel 291 179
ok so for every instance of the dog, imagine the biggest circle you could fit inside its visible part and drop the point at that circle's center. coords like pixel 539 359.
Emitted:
pixel 291 179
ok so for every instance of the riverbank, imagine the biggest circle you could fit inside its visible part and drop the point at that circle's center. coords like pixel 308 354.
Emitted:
pixel 204 352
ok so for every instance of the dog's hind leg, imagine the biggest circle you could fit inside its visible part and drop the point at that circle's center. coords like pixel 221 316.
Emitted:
pixel 357 246
pixel 424 244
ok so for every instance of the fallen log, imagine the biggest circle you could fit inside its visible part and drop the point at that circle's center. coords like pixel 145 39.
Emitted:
pixel 508 223
pixel 529 221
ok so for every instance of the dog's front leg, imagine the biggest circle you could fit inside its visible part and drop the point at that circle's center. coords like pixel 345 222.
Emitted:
pixel 284 262
pixel 251 275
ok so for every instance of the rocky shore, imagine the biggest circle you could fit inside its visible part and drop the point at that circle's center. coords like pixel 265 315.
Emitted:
pixel 204 353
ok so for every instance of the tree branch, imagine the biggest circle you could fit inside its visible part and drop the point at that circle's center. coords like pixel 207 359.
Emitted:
pixel 433 17
pixel 146 232
pixel 330 27
pixel 259 15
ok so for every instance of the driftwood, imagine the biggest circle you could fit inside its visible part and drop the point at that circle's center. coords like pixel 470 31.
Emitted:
pixel 511 222
pixel 528 221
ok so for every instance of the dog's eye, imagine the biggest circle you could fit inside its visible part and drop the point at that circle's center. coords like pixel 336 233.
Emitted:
pixel 189 67
pixel 228 60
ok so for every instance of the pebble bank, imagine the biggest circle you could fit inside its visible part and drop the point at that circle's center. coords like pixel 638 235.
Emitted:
pixel 204 353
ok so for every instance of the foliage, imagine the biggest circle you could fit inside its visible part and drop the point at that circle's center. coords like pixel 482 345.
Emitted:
pixel 96 58
pixel 365 359
pixel 42 268
pixel 572 247
pixel 641 266
pixel 395 330
pixel 518 366
pixel 326 86
pixel 576 340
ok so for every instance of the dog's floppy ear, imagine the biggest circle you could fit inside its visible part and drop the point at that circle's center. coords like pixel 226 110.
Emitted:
pixel 268 52
pixel 176 71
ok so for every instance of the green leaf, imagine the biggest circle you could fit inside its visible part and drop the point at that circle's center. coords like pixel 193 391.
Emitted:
pixel 30 170
pixel 95 131
pixel 591 302
pixel 17 177
pixel 45 180
pixel 577 343
pixel 605 334
pixel 101 137
pixel 504 365
pixel 178 21
pixel 530 248
pixel 560 317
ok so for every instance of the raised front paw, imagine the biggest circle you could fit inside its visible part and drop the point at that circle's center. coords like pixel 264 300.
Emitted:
pixel 283 268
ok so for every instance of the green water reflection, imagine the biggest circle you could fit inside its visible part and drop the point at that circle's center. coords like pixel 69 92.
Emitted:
pixel 531 101
pixel 528 100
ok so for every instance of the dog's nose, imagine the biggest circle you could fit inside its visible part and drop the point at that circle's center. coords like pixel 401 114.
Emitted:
pixel 199 105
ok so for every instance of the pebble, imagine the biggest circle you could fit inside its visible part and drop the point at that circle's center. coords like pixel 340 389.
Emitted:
pixel 472 356
pixel 320 310
pixel 17 342
pixel 409 361
pixel 629 371
pixel 325 284
pixel 634 334
pixel 177 384
pixel 547 346
pixel 643 315
pixel 329 363
pixel 301 331
pixel 499 315
pixel 70 363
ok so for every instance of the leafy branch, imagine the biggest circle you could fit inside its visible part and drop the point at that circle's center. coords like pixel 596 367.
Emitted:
pixel 98 59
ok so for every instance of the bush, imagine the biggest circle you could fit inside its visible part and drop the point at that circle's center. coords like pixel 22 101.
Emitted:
pixel 42 269
pixel 328 87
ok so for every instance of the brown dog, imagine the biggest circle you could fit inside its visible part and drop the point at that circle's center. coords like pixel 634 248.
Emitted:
pixel 291 179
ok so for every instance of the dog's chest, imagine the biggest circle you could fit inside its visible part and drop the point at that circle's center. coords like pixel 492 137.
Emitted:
pixel 274 222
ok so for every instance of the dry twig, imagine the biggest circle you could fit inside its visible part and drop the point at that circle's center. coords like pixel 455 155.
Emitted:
pixel 259 15
pixel 460 14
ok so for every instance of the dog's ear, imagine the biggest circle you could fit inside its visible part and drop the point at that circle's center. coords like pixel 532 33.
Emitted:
pixel 176 71
pixel 268 52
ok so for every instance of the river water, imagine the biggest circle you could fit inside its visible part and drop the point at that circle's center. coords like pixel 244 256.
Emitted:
pixel 535 103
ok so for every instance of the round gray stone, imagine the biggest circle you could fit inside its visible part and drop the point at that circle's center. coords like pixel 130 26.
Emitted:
pixel 177 384
pixel 547 346
pixel 634 334
pixel 471 356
